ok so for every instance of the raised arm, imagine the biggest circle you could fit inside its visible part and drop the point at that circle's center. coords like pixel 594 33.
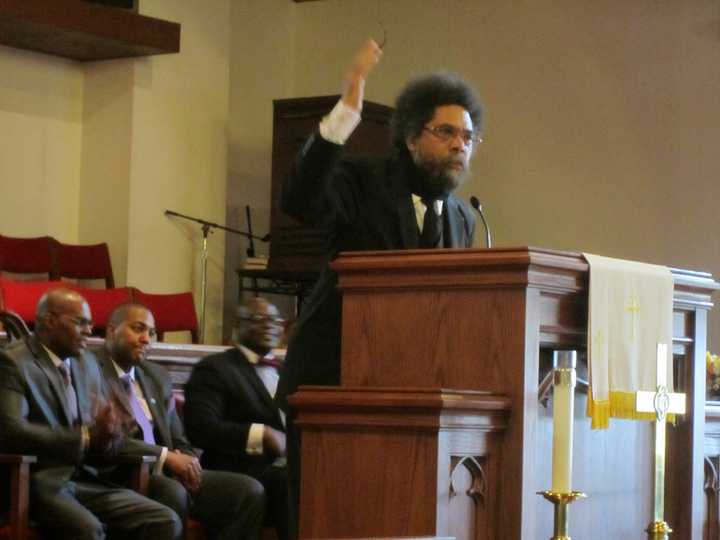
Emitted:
pixel 357 73
pixel 311 193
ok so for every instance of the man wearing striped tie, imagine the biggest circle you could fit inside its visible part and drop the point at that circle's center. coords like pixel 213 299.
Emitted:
pixel 53 405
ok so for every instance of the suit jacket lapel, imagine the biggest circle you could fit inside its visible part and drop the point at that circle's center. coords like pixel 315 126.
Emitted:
pixel 154 402
pixel 113 381
pixel 455 221
pixel 85 402
pixel 56 383
pixel 409 234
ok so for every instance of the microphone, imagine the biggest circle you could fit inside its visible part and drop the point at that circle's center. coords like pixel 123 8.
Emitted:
pixel 251 245
pixel 477 206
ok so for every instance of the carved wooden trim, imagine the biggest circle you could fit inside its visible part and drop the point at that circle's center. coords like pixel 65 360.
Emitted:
pixel 712 489
pixel 391 408
pixel 476 467
pixel 549 270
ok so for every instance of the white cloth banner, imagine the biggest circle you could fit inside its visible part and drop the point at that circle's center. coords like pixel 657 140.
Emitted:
pixel 630 311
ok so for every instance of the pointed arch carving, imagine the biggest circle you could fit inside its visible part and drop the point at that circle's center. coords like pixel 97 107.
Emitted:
pixel 475 466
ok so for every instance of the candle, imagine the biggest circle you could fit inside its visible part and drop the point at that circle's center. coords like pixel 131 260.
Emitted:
pixel 563 412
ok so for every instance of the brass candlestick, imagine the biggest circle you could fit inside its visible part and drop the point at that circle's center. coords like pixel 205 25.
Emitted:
pixel 561 501
pixel 658 530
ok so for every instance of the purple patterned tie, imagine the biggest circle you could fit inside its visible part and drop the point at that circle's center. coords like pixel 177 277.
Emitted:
pixel 70 394
pixel 138 412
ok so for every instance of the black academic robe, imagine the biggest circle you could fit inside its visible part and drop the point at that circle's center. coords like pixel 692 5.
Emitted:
pixel 363 204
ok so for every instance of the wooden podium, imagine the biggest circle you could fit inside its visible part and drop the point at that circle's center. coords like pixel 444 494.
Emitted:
pixel 437 430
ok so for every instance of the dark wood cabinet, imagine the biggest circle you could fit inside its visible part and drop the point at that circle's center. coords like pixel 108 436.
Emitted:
pixel 295 247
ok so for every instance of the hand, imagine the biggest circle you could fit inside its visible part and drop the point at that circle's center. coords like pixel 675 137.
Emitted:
pixel 273 441
pixel 361 66
pixel 187 469
pixel 106 431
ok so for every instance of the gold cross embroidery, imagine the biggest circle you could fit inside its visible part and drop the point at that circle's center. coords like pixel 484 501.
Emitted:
pixel 633 308
pixel 598 342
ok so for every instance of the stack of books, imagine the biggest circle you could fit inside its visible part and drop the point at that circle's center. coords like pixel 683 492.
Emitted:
pixel 255 263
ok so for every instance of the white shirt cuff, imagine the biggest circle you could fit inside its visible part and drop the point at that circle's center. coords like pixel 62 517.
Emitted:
pixel 254 446
pixel 160 463
pixel 339 124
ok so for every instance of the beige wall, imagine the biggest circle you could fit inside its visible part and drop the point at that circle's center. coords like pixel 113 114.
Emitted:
pixel 262 55
pixel 602 121
pixel 95 152
pixel 107 139
pixel 179 156
pixel 41 101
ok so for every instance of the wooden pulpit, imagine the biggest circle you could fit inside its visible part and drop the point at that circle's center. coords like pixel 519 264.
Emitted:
pixel 437 430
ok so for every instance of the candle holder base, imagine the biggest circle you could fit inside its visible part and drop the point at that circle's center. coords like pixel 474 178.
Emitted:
pixel 658 530
pixel 561 502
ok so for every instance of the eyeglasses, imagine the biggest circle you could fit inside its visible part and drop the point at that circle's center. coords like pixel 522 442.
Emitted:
pixel 447 133
pixel 258 319
pixel 80 322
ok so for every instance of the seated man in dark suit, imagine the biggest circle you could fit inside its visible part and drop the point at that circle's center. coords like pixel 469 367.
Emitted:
pixel 53 404
pixel 229 505
pixel 230 413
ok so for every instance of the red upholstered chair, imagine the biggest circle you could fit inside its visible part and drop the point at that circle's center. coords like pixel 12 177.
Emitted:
pixel 28 255
pixel 22 296
pixel 173 312
pixel 84 262
pixel 102 302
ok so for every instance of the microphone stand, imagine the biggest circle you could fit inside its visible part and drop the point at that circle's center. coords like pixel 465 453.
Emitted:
pixel 475 203
pixel 206 227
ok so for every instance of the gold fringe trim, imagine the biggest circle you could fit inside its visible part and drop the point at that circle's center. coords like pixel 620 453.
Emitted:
pixel 620 405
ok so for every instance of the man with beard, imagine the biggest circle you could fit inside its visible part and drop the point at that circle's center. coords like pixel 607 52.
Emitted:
pixel 229 505
pixel 53 404
pixel 404 202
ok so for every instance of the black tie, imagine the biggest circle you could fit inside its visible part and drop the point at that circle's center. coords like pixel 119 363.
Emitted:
pixel 432 226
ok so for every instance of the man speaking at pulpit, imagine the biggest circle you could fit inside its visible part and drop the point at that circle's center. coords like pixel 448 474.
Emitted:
pixel 404 202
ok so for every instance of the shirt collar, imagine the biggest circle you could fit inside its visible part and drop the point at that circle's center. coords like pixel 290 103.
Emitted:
pixel 251 355
pixel 438 203
pixel 121 373
pixel 56 360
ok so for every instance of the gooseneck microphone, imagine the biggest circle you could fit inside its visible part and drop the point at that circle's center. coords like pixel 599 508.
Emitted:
pixel 477 206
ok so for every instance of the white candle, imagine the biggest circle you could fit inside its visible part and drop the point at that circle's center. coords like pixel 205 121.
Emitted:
pixel 563 412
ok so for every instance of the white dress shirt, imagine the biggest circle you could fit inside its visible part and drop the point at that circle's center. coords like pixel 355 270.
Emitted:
pixel 269 377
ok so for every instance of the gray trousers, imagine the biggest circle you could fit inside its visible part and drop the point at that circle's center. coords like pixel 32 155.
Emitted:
pixel 229 505
pixel 89 510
